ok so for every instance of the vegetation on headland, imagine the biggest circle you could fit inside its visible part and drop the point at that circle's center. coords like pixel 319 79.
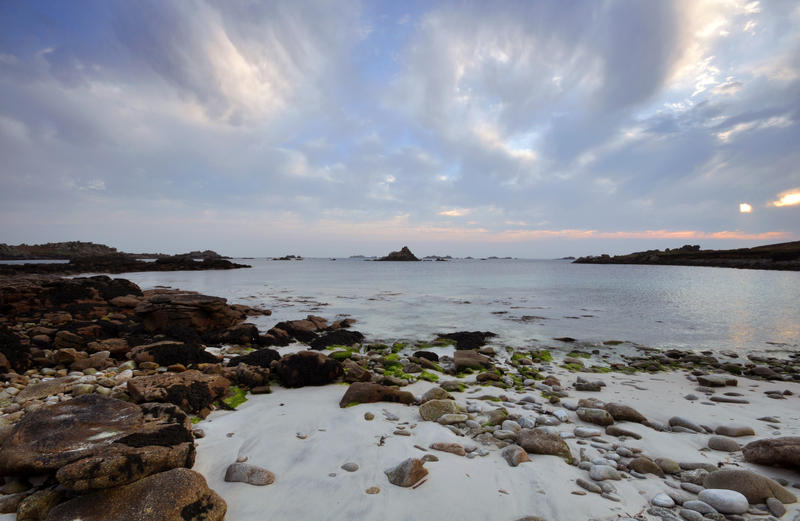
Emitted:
pixel 783 256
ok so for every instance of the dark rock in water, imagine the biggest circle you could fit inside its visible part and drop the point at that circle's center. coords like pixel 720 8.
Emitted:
pixel 169 352
pixel 566 339
pixel 260 358
pixel 303 330
pixel 50 437
pixel 468 339
pixel 342 337
pixel 783 451
pixel 755 487
pixel 427 355
pixel 471 360
pixel 308 368
pixel 407 473
pixel 403 255
pixel 240 334
pixel 175 495
pixel 366 392
pixel 192 391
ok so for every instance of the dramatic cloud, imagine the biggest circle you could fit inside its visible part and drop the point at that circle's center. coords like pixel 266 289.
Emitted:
pixel 330 128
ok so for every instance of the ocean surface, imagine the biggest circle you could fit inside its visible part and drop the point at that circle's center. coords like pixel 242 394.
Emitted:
pixel 526 302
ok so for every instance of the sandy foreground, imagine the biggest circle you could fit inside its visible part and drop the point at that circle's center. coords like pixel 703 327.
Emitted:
pixel 303 437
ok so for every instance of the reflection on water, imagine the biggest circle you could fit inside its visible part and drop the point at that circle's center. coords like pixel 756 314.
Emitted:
pixel 526 302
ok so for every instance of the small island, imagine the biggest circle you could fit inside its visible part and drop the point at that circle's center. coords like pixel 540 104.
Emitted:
pixel 783 256
pixel 403 255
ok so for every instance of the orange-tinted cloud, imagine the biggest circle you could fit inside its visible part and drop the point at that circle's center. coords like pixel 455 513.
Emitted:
pixel 787 198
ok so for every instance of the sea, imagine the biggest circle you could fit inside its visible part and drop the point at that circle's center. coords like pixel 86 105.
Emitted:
pixel 527 303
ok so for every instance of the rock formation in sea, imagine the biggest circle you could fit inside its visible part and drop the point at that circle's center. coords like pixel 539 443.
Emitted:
pixel 403 255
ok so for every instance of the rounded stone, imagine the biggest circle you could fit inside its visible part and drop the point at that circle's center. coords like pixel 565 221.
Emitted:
pixel 725 501
pixel 662 500
pixel 350 466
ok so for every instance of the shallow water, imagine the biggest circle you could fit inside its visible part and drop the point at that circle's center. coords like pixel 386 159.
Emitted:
pixel 527 302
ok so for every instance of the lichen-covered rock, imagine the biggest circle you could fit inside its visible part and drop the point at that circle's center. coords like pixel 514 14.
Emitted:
pixel 783 451
pixel 755 487
pixel 536 441
pixel 175 495
pixel 432 410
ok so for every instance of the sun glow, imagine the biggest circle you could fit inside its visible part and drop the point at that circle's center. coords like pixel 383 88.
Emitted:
pixel 745 208
pixel 788 198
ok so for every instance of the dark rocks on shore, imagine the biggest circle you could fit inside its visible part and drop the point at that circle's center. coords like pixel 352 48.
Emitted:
pixel 192 391
pixel 308 368
pixel 536 441
pixel 755 487
pixel 403 255
pixel 175 495
pixel 120 263
pixel 468 339
pixel 259 357
pixel 342 337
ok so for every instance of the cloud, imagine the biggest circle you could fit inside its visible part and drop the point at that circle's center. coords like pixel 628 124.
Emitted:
pixel 787 198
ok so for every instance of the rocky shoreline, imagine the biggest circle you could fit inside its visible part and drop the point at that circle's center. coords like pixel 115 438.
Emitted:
pixel 107 393
pixel 784 257
pixel 119 263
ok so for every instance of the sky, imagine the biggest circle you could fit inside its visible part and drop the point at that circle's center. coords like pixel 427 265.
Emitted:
pixel 329 128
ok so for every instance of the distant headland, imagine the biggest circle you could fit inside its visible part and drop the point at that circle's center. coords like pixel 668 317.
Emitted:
pixel 783 256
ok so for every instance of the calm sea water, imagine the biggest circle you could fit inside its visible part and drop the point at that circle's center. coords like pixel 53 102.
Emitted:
pixel 526 302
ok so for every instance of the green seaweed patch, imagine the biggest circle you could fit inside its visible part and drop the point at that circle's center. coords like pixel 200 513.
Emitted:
pixel 398 346
pixel 573 367
pixel 464 372
pixel 444 342
pixel 579 354
pixel 352 404
pixel 489 398
pixel 394 357
pixel 378 348
pixel 334 347
pixel 341 355
pixel 542 355
pixel 600 369
pixel 236 396
pixel 195 420
pixel 425 375
pixel 396 370
pixel 519 356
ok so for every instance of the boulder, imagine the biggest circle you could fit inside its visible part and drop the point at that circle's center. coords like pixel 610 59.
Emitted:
pixel 596 416
pixel 755 487
pixel 366 392
pixel 308 368
pixel 716 380
pixel 734 431
pixel 724 501
pixel 471 360
pixel 435 393
pixel 644 465
pixel 536 441
pixel 260 358
pixel 50 437
pixel 432 410
pixel 723 443
pixel 169 352
pixel 407 473
pixel 203 314
pixel 622 412
pixel 44 389
pixel 163 442
pixel 783 451
pixel 452 448
pixel 514 455
pixel 175 495
pixel 192 391
pixel 355 373
pixel 341 337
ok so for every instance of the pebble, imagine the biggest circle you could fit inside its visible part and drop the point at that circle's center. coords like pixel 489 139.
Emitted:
pixel 734 430
pixel 588 485
pixel 369 416
pixel 242 472
pixel 775 507
pixel 587 432
pixel 690 515
pixel 373 490
pixel 663 500
pixel 723 444
pixel 350 466
pixel 680 421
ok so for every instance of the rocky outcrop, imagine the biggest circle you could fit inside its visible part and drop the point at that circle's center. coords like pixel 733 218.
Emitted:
pixel 169 352
pixel 175 495
pixel 471 360
pixel 755 487
pixel 202 313
pixel 341 337
pixel 308 368
pixel 536 441
pixel 192 391
pixel 403 255
pixel 366 392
